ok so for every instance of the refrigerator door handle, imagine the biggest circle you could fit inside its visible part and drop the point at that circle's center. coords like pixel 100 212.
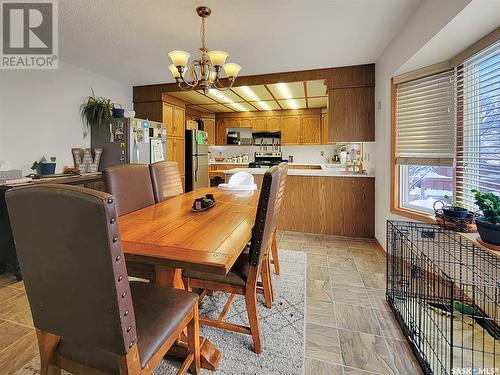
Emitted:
pixel 196 169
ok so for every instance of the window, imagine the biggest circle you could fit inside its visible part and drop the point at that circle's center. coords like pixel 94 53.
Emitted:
pixel 478 121
pixel 425 140
pixel 447 134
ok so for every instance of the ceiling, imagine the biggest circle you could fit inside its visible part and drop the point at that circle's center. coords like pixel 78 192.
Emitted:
pixel 292 95
pixel 129 39
pixel 457 35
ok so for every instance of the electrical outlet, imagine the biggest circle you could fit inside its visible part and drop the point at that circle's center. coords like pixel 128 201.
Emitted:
pixel 322 153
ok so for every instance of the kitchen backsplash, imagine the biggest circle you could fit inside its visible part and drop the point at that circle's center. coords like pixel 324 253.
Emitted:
pixel 301 154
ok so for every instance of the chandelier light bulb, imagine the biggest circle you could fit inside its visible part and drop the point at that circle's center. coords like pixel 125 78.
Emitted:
pixel 179 58
pixel 217 58
pixel 231 69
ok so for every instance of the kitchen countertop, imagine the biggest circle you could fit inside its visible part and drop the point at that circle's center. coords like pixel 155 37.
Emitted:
pixel 325 171
pixel 226 163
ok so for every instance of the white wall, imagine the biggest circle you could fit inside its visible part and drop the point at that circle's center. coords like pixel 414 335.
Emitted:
pixel 429 18
pixel 40 112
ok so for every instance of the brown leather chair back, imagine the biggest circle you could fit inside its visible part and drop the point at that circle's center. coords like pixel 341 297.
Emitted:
pixel 69 249
pixel 130 185
pixel 268 209
pixel 166 180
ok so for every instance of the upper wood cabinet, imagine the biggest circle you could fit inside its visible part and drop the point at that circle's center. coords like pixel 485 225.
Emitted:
pixel 351 114
pixel 232 123
pixel 221 126
pixel 210 129
pixel 311 129
pixel 246 123
pixel 324 128
pixel 168 118
pixel 290 130
pixel 179 122
pixel 259 124
pixel 273 124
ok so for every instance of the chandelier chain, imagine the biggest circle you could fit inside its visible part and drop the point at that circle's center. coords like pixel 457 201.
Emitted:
pixel 202 35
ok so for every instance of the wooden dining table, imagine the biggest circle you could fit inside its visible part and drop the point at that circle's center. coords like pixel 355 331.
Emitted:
pixel 161 240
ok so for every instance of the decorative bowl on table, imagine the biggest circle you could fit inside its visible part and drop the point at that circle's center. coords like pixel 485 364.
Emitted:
pixel 219 159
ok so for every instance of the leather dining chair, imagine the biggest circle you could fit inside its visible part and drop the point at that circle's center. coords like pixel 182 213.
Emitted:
pixel 89 319
pixel 274 244
pixel 130 185
pixel 242 279
pixel 166 180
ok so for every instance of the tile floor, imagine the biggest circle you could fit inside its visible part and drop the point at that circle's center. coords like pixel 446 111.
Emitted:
pixel 349 328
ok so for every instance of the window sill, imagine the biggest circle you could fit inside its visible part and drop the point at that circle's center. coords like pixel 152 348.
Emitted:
pixel 413 215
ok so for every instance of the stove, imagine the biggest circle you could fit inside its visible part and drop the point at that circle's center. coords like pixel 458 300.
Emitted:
pixel 266 159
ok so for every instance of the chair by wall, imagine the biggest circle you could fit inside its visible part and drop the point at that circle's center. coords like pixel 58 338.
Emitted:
pixel 166 180
pixel 89 318
pixel 242 278
pixel 130 185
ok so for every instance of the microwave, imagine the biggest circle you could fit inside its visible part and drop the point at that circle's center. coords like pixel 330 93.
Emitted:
pixel 233 137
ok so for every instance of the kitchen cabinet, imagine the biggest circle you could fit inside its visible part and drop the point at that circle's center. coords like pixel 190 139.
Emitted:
pixel 246 123
pixel 310 129
pixel 179 122
pixel 210 129
pixel 273 124
pixel 221 126
pixel 168 118
pixel 351 114
pixel 290 130
pixel 232 123
pixel 259 124
pixel 175 152
pixel 324 128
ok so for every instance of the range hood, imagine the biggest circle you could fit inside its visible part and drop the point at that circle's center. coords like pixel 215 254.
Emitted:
pixel 275 134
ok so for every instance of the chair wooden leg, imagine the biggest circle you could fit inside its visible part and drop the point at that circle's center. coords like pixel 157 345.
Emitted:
pixel 194 341
pixel 271 286
pixel 47 345
pixel 274 252
pixel 253 319
pixel 266 282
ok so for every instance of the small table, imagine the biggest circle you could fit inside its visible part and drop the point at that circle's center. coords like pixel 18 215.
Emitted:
pixel 168 237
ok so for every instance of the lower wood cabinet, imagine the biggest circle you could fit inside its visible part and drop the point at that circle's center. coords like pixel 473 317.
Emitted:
pixel 342 206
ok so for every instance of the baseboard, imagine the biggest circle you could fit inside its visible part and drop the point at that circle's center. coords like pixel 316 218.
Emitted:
pixel 380 247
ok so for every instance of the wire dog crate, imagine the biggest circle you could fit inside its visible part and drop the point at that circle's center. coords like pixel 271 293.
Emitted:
pixel 444 292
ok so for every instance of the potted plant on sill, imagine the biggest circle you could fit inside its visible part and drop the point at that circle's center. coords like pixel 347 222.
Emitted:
pixel 455 209
pixel 488 225
pixel 45 167
pixel 96 111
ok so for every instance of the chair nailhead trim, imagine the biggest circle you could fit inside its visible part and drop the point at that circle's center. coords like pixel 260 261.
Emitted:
pixel 124 294
pixel 112 221
pixel 125 313
pixel 120 278
pixel 115 239
pixel 118 258
pixel 129 328
pixel 130 345
pixel 110 200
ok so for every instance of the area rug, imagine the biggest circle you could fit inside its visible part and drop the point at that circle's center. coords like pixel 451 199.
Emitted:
pixel 282 328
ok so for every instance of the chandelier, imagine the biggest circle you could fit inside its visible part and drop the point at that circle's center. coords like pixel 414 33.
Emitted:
pixel 206 72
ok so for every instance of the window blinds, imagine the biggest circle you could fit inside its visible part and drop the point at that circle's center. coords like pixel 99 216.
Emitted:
pixel 425 121
pixel 478 124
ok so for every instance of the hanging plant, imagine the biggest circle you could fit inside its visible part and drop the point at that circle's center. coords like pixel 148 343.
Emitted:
pixel 95 111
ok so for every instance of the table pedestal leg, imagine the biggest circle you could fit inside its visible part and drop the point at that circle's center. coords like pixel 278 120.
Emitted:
pixel 209 354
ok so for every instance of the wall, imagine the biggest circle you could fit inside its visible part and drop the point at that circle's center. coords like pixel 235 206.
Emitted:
pixel 429 18
pixel 40 112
